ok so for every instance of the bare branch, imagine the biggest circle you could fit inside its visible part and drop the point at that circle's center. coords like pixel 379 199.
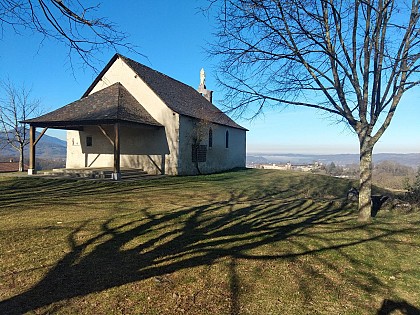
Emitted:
pixel 70 22
pixel 17 106
pixel 353 59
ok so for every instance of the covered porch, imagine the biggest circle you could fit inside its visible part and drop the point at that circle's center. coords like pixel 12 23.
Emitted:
pixel 106 112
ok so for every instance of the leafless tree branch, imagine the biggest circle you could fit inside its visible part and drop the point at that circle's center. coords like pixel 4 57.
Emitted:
pixel 16 106
pixel 70 22
pixel 351 58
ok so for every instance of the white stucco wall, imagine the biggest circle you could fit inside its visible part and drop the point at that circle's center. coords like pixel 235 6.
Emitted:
pixel 151 149
pixel 141 148
pixel 136 138
pixel 219 158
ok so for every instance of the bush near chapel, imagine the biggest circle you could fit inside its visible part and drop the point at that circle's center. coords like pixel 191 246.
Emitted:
pixel 413 194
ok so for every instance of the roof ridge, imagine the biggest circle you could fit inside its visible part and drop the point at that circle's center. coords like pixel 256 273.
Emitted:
pixel 154 70
pixel 176 95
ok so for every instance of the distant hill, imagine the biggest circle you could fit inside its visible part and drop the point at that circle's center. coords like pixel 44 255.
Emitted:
pixel 410 159
pixel 48 148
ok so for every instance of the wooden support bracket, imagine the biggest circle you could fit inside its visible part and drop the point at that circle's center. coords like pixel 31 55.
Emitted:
pixel 106 134
pixel 40 135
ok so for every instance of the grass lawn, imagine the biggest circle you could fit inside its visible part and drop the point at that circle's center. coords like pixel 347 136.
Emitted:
pixel 246 242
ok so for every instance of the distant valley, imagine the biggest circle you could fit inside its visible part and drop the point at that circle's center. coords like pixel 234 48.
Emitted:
pixel 410 159
pixel 48 148
pixel 51 148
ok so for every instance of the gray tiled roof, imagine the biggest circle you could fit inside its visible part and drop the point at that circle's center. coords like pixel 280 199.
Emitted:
pixel 181 98
pixel 108 105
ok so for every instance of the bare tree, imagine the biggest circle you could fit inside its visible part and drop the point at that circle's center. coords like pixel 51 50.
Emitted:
pixel 71 22
pixel 353 59
pixel 199 134
pixel 16 106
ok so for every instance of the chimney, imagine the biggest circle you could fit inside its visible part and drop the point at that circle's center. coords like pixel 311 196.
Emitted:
pixel 208 94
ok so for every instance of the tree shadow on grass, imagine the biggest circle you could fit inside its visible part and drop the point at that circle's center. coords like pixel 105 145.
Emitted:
pixel 389 307
pixel 39 191
pixel 159 244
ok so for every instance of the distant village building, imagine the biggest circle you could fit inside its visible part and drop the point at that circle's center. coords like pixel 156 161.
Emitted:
pixel 285 167
pixel 133 116
pixel 291 167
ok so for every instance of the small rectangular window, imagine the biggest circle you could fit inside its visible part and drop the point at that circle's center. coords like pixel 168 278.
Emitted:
pixel 199 153
pixel 210 138
pixel 227 139
pixel 88 141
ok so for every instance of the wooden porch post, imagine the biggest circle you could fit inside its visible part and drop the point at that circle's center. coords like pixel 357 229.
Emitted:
pixel 32 144
pixel 117 170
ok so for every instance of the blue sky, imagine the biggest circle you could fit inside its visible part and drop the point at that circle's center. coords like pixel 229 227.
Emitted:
pixel 173 38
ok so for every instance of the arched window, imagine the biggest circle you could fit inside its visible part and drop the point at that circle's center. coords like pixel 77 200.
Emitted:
pixel 210 138
pixel 227 139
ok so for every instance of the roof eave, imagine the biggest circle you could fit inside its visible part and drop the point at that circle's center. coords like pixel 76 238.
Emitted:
pixel 79 124
pixel 216 123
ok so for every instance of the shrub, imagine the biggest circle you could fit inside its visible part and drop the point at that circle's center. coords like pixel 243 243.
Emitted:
pixel 413 190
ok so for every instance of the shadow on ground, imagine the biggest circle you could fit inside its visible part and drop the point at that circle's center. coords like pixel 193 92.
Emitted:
pixel 189 236
pixel 390 307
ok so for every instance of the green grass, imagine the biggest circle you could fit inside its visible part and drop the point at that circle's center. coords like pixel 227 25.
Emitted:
pixel 246 242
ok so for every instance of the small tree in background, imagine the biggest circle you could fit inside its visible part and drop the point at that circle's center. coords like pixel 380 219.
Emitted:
pixel 414 189
pixel 16 105
pixel 353 59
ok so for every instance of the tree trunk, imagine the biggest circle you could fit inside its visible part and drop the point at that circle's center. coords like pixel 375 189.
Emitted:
pixel 365 189
pixel 21 161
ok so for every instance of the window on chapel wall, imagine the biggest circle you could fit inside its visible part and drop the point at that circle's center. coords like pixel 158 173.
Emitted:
pixel 199 153
pixel 210 138
pixel 89 141
pixel 227 139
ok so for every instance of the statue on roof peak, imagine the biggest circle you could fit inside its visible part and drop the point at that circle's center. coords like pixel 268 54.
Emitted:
pixel 202 77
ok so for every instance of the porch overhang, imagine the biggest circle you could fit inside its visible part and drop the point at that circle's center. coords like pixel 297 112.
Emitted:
pixel 112 106
pixel 80 125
